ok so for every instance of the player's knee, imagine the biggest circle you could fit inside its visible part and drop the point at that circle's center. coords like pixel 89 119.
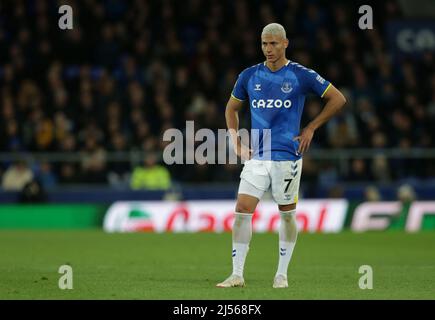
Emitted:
pixel 244 207
pixel 287 207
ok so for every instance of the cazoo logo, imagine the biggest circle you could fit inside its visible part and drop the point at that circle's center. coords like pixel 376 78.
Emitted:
pixel 271 103
pixel 321 215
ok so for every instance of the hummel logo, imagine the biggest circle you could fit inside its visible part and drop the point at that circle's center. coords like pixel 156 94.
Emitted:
pixel 282 251
pixel 234 253
pixel 257 87
pixel 320 79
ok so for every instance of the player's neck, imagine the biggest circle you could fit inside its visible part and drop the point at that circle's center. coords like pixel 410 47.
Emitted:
pixel 274 66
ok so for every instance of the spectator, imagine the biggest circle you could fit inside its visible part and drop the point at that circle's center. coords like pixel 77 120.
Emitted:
pixel 358 171
pixel 150 176
pixel 16 177
pixel 119 170
pixel 45 175
pixel 381 169
pixel 69 174
pixel 94 162
pixel 33 192
pixel 372 193
pixel 336 192
pixel 406 193
pixel 342 131
pixel 110 77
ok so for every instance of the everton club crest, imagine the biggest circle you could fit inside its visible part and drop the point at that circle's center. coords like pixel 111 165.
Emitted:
pixel 286 87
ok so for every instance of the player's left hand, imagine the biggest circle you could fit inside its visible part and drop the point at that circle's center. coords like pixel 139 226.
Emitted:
pixel 304 138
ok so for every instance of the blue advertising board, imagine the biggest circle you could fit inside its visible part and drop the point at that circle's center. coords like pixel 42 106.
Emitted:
pixel 411 38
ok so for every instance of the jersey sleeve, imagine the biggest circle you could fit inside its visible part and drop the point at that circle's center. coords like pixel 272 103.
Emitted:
pixel 313 82
pixel 240 91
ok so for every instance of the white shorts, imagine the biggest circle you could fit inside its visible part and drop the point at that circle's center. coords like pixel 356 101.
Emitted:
pixel 283 176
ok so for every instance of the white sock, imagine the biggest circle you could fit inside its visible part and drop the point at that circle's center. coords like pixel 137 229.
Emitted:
pixel 242 234
pixel 240 250
pixel 288 233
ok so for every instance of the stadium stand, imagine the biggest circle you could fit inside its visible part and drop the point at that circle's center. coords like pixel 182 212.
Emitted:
pixel 125 73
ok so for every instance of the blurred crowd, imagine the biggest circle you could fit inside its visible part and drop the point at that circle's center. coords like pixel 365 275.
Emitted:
pixel 129 70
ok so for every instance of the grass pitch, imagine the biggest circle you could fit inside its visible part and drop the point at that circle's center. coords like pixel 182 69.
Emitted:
pixel 187 266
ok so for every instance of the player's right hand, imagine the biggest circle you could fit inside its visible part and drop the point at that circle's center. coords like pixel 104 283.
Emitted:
pixel 242 151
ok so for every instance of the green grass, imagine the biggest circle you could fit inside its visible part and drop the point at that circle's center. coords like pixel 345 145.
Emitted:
pixel 187 266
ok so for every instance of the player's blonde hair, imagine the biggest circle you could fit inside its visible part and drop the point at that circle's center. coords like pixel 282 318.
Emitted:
pixel 274 29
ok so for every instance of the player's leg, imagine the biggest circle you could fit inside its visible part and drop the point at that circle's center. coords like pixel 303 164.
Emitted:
pixel 285 188
pixel 242 232
pixel 288 233
pixel 251 189
pixel 242 229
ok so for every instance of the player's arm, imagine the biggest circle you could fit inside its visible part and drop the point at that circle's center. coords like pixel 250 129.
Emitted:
pixel 335 100
pixel 234 105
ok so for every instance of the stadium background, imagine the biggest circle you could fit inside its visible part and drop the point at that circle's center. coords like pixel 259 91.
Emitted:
pixel 83 112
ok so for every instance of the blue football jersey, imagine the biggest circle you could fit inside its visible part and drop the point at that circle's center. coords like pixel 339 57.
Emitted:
pixel 276 100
